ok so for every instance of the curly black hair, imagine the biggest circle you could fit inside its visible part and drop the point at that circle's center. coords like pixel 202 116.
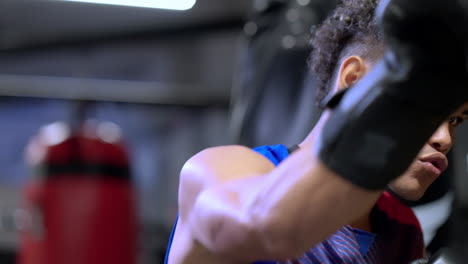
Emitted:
pixel 351 29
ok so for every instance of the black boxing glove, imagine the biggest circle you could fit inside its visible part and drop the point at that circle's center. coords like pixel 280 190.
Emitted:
pixel 380 125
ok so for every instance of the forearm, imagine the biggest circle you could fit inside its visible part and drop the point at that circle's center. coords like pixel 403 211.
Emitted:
pixel 303 202
pixel 280 214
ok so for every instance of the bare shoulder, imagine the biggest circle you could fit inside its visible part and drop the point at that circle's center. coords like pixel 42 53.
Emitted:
pixel 226 163
pixel 208 168
pixel 215 166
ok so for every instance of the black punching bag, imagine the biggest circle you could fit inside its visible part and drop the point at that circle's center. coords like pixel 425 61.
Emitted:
pixel 274 97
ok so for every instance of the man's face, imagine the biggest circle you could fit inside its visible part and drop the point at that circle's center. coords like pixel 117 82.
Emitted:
pixel 431 160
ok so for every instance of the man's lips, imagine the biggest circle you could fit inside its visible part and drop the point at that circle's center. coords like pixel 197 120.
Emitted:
pixel 437 162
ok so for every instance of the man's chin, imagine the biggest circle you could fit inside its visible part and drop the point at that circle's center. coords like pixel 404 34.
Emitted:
pixel 413 197
pixel 408 195
pixel 411 186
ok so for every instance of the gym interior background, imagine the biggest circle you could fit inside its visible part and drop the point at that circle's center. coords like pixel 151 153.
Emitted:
pixel 175 82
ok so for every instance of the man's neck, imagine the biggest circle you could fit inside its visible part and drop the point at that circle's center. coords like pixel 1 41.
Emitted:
pixel 311 138
pixel 363 223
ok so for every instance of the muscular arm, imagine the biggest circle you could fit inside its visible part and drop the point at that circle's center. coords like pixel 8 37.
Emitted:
pixel 238 205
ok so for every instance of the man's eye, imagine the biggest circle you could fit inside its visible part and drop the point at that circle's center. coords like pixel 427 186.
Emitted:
pixel 455 121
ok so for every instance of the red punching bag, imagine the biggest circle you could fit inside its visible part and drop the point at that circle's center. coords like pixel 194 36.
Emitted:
pixel 80 206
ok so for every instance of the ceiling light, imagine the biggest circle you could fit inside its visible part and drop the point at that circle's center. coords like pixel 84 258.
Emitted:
pixel 163 4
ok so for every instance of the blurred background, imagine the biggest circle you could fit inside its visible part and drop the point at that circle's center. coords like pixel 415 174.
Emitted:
pixel 173 81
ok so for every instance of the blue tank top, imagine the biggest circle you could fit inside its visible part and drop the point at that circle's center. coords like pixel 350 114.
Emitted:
pixel 399 238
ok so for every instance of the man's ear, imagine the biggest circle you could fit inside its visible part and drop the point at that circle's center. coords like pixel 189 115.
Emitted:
pixel 351 71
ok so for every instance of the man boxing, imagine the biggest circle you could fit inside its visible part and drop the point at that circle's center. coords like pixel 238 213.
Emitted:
pixel 325 203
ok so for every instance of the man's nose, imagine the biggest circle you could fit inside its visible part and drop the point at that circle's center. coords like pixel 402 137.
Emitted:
pixel 442 140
